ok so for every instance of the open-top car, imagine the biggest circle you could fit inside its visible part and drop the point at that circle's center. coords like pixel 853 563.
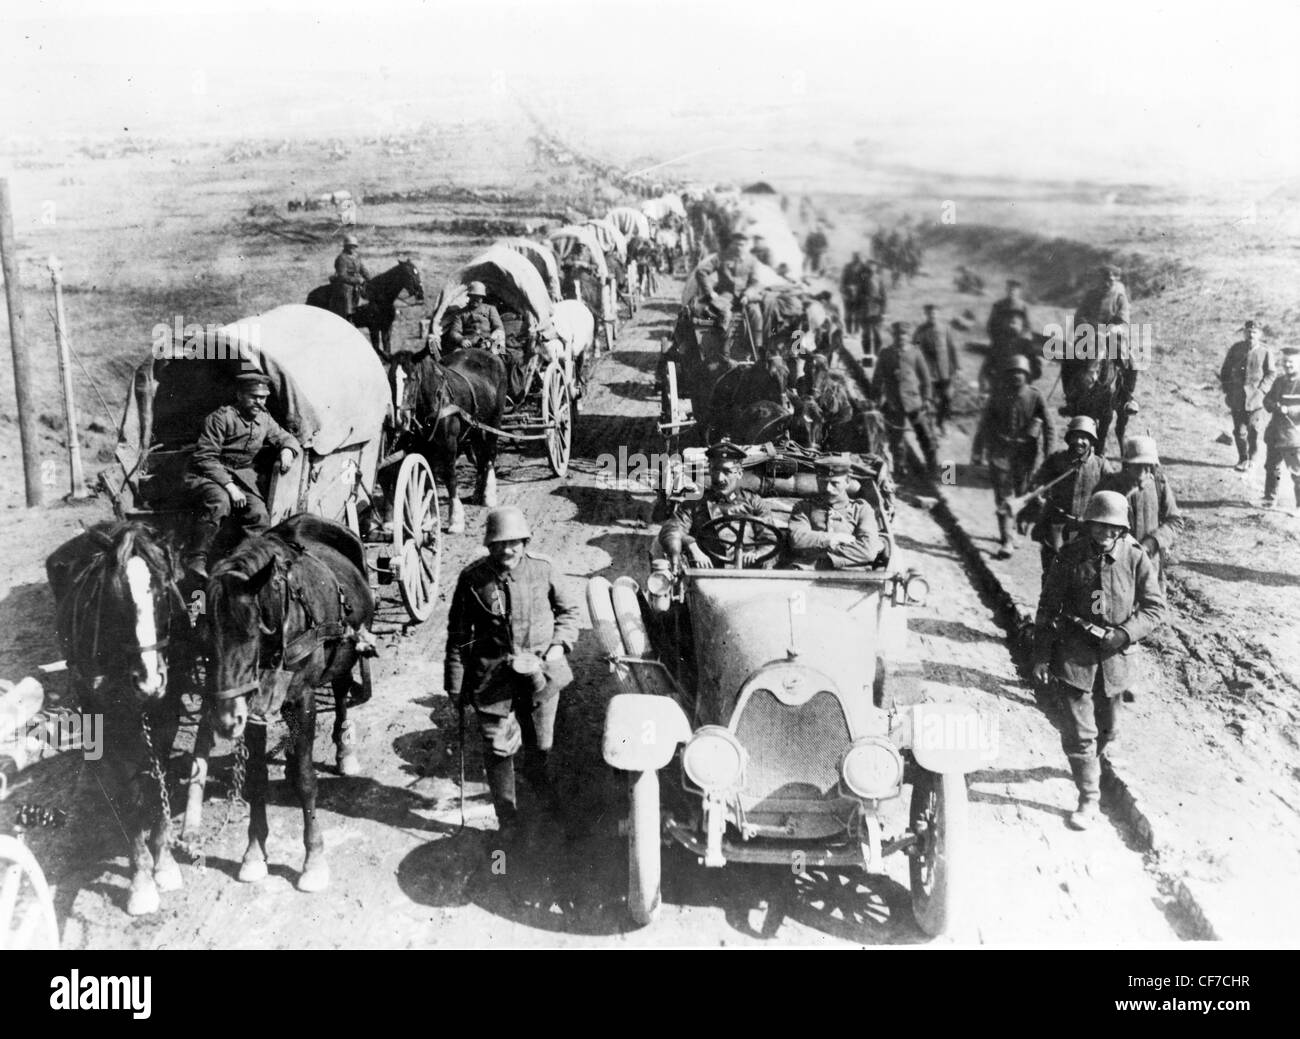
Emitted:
pixel 779 710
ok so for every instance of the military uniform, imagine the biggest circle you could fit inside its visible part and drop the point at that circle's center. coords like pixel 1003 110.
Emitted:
pixel 473 326
pixel 496 614
pixel 812 520
pixel 1112 589
pixel 1001 354
pixel 936 343
pixel 1065 501
pixel 691 516
pixel 998 325
pixel 349 282
pixel 722 281
pixel 851 279
pixel 1009 432
pixel 1247 373
pixel 1153 511
pixel 901 384
pixel 872 301
pixel 226 452
pixel 1103 306
pixel 1281 438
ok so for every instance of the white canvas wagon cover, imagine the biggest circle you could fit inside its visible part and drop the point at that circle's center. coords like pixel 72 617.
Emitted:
pixel 510 278
pixel 328 387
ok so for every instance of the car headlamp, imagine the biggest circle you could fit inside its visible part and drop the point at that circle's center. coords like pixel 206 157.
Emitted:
pixel 917 590
pixel 714 760
pixel 872 768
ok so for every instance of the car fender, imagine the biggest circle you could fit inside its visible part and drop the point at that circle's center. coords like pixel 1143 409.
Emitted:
pixel 642 732
pixel 952 737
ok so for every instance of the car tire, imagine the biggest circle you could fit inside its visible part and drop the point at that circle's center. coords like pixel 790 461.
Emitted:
pixel 940 867
pixel 643 847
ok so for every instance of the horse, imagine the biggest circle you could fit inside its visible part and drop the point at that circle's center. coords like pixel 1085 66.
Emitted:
pixel 287 612
pixel 575 327
pixel 120 617
pixel 1092 388
pixel 444 400
pixel 377 315
pixel 740 385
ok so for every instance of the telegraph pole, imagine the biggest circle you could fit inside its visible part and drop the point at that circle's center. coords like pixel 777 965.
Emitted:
pixel 18 344
pixel 65 371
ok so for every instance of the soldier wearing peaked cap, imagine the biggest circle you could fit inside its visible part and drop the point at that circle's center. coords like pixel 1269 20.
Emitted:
pixel 833 531
pixel 222 480
pixel 936 343
pixel 1100 599
pixel 349 279
pixel 1247 373
pixel 902 387
pixel 509 631
pixel 1282 438
pixel 724 498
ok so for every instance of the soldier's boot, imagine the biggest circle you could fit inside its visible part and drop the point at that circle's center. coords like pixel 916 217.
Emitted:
pixel 539 779
pixel 196 558
pixel 1087 778
pixel 1271 479
pixel 501 783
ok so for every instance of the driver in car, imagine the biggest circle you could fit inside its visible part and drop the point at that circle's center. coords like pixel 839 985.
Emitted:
pixel 723 499
pixel 833 531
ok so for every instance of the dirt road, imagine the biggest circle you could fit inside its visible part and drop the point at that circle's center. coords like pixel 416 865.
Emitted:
pixel 405 874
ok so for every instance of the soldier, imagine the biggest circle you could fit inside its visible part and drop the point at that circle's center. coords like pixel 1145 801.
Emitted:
pixel 1101 597
pixel 508 633
pixel 1154 519
pixel 1247 373
pixel 814 247
pixel 729 280
pixel 349 279
pixel 901 386
pixel 936 343
pixel 851 279
pixel 221 480
pixel 1000 315
pixel 1106 305
pixel 1014 340
pixel 476 325
pixel 1078 468
pixel 723 498
pixel 871 306
pixel 1015 419
pixel 1281 438
pixel 833 531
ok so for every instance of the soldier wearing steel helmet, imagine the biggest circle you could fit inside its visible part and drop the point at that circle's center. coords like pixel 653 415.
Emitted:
pixel 477 324
pixel 1154 518
pixel 1073 474
pixel 1100 599
pixel 510 628
pixel 1013 424
pixel 349 279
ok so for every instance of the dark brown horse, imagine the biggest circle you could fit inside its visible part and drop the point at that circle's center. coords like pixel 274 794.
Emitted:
pixel 1092 388
pixel 288 612
pixel 379 311
pixel 443 401
pixel 739 386
pixel 121 619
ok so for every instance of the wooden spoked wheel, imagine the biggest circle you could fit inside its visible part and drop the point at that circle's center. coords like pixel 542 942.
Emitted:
pixel 27 919
pixel 417 537
pixel 557 417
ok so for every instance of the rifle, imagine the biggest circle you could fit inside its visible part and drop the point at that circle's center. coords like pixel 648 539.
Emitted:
pixel 1015 504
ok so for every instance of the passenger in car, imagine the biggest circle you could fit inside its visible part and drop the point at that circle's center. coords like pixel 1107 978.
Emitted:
pixel 833 531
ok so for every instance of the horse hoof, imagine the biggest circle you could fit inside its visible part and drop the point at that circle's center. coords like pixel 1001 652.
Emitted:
pixel 252 870
pixel 143 901
pixel 349 764
pixel 168 877
pixel 490 491
pixel 314 878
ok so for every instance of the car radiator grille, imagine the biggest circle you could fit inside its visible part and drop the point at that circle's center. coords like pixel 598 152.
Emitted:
pixel 794 752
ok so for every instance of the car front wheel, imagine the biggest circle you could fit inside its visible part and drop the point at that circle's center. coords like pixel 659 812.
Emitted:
pixel 940 864
pixel 643 847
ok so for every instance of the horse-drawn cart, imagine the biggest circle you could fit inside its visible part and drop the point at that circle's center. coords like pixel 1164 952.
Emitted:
pixel 587 275
pixel 546 349
pixel 27 919
pixel 329 388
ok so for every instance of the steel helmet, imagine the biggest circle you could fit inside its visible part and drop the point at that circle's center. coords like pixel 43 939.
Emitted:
pixel 476 288
pixel 506 523
pixel 1141 451
pixel 1107 507
pixel 351 239
pixel 1082 424
pixel 1018 363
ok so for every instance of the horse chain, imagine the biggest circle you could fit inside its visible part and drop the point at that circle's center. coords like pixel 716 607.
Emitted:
pixel 156 771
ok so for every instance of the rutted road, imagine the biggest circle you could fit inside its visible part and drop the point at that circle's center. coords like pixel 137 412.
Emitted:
pixel 405 874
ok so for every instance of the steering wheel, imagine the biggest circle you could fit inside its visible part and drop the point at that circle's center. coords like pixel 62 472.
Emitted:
pixel 729 552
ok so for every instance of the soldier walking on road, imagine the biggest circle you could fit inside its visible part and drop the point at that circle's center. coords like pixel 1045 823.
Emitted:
pixel 936 343
pixel 1014 421
pixel 1057 514
pixel 1281 438
pixel 510 629
pixel 1247 373
pixel 871 308
pixel 901 386
pixel 1101 598
pixel 349 279
pixel 1154 519
pixel 1000 315
pixel 851 279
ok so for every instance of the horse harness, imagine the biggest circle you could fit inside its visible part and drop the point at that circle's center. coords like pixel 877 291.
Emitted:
pixel 292 651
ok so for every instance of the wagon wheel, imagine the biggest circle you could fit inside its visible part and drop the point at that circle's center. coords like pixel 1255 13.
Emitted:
pixel 557 417
pixel 613 313
pixel 417 536
pixel 940 865
pixel 27 918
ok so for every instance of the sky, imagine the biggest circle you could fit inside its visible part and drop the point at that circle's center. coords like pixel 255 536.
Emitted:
pixel 1136 90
